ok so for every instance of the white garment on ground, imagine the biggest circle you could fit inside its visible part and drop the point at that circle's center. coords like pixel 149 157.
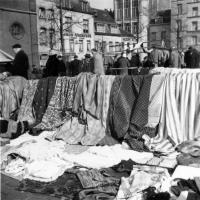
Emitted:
pixel 140 179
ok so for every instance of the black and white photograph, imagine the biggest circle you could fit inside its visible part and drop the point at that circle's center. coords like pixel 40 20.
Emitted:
pixel 100 99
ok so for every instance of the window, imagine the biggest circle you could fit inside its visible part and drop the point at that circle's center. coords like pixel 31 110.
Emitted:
pixel 88 45
pixel 180 9
pixel 194 40
pixel 135 27
pixel 84 5
pixel 128 27
pixel 52 37
pixel 68 24
pixel 163 35
pixel 127 8
pixel 42 13
pixel 110 46
pixel 101 28
pixel 43 36
pixel 179 25
pixel 134 8
pixel 50 14
pixel 117 46
pixel 195 11
pixel 119 14
pixel 135 3
pixel 114 29
pixel 71 45
pixel 194 26
pixel 85 26
pixel 96 44
pixel 153 36
pixel 80 45
pixel 65 3
pixel 104 46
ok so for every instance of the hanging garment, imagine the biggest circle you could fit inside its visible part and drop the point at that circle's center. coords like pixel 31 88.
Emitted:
pixel 180 111
pixel 42 97
pixel 60 104
pixel 26 112
pixel 11 90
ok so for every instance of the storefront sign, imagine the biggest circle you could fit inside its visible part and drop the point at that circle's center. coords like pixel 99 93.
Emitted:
pixel 127 39
pixel 76 35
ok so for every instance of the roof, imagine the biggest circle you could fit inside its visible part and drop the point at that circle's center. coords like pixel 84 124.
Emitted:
pixel 102 16
pixel 5 57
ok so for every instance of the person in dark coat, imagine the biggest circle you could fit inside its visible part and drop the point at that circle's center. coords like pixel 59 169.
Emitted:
pixel 123 64
pixel 51 68
pixel 192 58
pixel 88 64
pixel 21 63
pixel 75 66
pixel 61 66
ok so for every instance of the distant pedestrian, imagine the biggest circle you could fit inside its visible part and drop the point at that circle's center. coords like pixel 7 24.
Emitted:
pixel 87 65
pixel 192 58
pixel 123 64
pixel 21 63
pixel 75 66
pixel 51 68
pixel 61 66
pixel 174 58
pixel 98 62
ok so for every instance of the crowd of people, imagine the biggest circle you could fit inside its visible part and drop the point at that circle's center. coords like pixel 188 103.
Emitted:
pixel 123 63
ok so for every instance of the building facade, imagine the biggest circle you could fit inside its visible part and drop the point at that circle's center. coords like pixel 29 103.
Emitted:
pixel 18 22
pixel 109 38
pixel 76 27
pixel 160 23
pixel 185 25
pixel 133 17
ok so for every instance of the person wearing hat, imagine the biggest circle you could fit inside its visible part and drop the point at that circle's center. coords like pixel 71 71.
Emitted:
pixel 123 64
pixel 75 66
pixel 87 65
pixel 21 63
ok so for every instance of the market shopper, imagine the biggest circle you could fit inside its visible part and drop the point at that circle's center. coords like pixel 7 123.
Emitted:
pixel 21 63
pixel 192 58
pixel 123 64
pixel 61 66
pixel 87 65
pixel 98 62
pixel 75 66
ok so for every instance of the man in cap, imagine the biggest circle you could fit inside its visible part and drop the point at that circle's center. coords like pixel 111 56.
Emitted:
pixel 21 63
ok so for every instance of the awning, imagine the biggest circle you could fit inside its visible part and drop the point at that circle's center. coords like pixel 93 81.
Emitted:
pixel 5 57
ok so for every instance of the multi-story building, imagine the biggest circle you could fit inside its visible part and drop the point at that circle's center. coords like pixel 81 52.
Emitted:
pixel 185 23
pixel 160 23
pixel 76 27
pixel 109 38
pixel 133 16
pixel 18 24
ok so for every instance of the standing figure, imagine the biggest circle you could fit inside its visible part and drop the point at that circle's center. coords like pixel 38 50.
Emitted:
pixel 21 63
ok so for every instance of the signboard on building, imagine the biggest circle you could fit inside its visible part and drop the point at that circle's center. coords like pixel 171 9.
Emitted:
pixel 76 35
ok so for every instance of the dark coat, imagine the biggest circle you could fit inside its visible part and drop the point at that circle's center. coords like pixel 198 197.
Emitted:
pixel 88 66
pixel 20 65
pixel 123 64
pixel 61 68
pixel 75 67
pixel 192 58
pixel 51 66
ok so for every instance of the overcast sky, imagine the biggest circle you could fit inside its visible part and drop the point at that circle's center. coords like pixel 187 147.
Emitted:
pixel 101 4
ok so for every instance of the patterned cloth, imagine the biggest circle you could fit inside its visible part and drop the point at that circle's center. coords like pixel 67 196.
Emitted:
pixel 92 106
pixel 60 105
pixel 26 110
pixel 42 97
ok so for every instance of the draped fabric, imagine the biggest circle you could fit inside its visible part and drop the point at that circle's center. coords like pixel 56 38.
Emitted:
pixel 60 105
pixel 26 112
pixel 180 114
pixel 11 90
pixel 92 104
pixel 42 97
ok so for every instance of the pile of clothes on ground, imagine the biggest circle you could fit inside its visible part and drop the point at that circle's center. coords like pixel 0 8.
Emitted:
pixel 106 137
